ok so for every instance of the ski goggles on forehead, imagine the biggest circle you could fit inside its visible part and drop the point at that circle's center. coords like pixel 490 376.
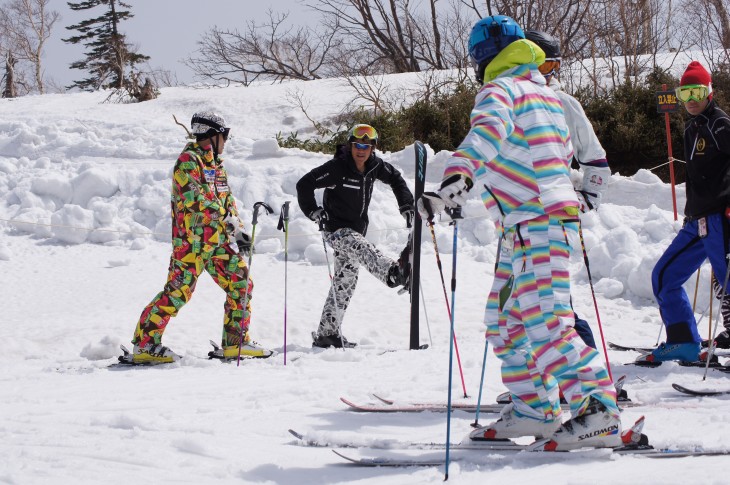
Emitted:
pixel 361 146
pixel 550 67
pixel 364 131
pixel 696 92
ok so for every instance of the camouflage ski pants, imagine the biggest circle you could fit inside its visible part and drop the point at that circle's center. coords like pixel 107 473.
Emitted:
pixel 227 268
pixel 351 250
pixel 529 323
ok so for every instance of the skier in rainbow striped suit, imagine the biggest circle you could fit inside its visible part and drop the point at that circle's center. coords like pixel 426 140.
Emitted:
pixel 518 154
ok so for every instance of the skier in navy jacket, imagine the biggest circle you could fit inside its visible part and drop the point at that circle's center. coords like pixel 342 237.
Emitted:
pixel 348 180
pixel 705 230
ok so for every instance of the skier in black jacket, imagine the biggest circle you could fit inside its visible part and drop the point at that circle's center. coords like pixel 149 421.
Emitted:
pixel 705 231
pixel 348 181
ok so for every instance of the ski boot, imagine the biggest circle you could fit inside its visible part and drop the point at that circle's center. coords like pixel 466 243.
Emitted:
pixel 510 425
pixel 249 349
pixel 336 341
pixel 149 354
pixel 596 428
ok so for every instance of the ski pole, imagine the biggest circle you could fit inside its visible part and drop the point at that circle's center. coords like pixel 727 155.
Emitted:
pixel 455 216
pixel 425 313
pixel 595 302
pixel 333 289
pixel 711 343
pixel 268 210
pixel 429 223
pixel 697 286
pixel 709 322
pixel 475 424
pixel 284 226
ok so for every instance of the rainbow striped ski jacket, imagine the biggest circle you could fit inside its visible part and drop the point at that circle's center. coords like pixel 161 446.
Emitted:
pixel 518 150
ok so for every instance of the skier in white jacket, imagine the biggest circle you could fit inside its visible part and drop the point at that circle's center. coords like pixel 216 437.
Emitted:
pixel 587 150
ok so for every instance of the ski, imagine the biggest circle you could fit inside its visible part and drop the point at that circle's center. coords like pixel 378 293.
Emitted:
pixel 624 348
pixel 433 460
pixel 699 392
pixel 415 240
pixel 497 445
pixel 391 407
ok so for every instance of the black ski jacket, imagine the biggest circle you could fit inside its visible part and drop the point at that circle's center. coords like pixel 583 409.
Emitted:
pixel 707 152
pixel 347 192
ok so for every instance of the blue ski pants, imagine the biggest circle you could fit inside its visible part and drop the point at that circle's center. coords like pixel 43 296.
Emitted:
pixel 682 258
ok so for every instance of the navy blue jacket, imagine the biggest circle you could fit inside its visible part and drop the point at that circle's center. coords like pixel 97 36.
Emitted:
pixel 347 191
pixel 707 153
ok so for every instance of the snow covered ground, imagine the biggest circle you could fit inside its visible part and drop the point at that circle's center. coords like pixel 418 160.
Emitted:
pixel 84 246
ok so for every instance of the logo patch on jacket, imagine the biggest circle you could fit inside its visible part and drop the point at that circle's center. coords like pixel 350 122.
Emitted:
pixel 221 184
pixel 209 175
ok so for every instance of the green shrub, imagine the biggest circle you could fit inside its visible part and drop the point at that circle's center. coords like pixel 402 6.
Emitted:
pixel 625 120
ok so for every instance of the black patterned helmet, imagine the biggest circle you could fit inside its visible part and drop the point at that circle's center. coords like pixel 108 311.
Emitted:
pixel 207 124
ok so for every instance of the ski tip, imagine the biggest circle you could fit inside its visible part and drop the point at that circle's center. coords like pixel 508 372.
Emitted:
pixel 296 434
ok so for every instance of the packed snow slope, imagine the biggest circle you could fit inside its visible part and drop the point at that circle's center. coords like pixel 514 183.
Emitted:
pixel 84 246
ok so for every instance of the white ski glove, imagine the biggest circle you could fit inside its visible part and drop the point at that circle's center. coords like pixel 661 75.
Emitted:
pixel 587 201
pixel 237 238
pixel 452 194
pixel 454 189
pixel 594 184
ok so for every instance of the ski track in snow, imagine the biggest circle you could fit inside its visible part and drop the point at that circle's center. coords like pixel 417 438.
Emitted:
pixel 70 297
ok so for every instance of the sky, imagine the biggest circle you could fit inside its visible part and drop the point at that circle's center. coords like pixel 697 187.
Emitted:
pixel 165 30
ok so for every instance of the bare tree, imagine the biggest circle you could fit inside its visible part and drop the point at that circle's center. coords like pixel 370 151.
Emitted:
pixel 29 24
pixel 9 85
pixel 270 51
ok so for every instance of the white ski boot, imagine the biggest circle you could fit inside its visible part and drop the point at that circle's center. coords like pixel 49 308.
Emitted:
pixel 595 428
pixel 510 425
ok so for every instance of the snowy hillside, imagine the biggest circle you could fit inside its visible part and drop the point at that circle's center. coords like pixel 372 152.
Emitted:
pixel 84 246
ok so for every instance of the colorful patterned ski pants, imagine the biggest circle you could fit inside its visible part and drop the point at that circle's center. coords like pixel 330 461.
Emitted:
pixel 530 324
pixel 228 270
pixel 351 250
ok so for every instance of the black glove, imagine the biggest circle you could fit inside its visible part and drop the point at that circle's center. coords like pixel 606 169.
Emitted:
pixel 243 241
pixel 319 215
pixel 408 214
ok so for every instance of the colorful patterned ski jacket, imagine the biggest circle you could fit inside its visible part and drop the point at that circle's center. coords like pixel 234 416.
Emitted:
pixel 201 200
pixel 518 150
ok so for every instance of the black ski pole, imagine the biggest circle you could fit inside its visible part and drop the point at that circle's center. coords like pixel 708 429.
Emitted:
pixel 268 210
pixel 333 288
pixel 284 226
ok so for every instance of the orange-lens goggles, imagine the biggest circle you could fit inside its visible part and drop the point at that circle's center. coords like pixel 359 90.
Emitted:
pixel 697 92
pixel 549 67
pixel 363 131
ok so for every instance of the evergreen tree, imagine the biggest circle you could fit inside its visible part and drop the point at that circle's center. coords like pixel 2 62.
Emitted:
pixel 108 56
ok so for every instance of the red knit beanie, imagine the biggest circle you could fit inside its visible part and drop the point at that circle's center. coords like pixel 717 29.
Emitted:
pixel 696 74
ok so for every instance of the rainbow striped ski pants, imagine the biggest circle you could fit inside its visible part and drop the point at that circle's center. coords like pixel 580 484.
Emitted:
pixel 530 322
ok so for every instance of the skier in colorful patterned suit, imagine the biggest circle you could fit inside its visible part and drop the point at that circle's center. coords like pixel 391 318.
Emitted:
pixel 518 154
pixel 207 234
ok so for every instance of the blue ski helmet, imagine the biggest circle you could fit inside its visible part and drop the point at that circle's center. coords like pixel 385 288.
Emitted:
pixel 488 37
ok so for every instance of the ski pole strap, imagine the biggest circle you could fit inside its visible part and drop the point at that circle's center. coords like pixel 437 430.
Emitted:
pixel 454 213
pixel 283 216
